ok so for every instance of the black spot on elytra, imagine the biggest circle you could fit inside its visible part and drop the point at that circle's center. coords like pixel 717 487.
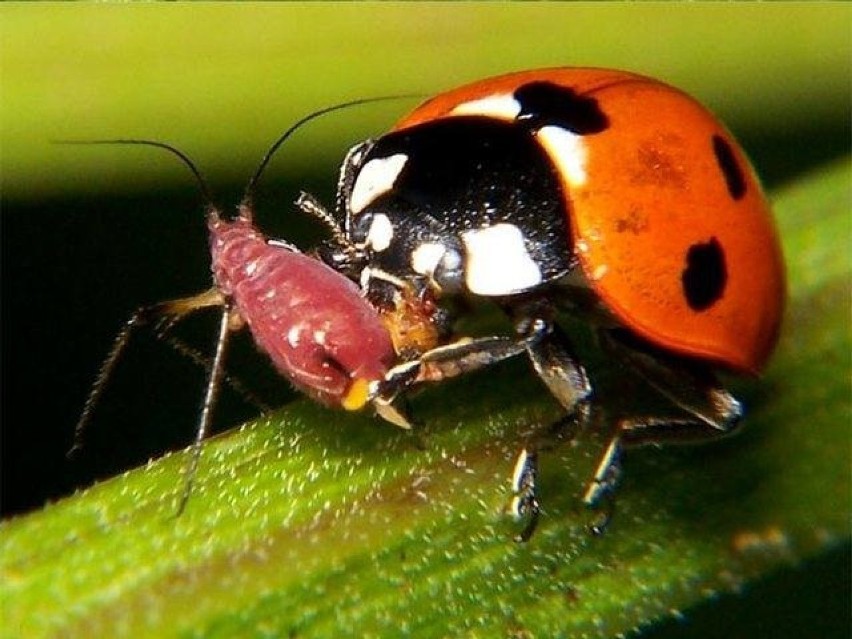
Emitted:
pixel 705 275
pixel 545 103
pixel 731 169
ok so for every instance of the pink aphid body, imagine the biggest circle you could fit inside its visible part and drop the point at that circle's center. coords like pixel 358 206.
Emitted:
pixel 313 322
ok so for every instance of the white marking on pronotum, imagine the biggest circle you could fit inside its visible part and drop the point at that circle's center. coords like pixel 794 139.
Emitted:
pixel 498 262
pixel 380 234
pixel 503 106
pixel 426 257
pixel 567 150
pixel 376 177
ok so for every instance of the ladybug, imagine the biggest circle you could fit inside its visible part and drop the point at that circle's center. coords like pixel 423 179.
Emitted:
pixel 598 193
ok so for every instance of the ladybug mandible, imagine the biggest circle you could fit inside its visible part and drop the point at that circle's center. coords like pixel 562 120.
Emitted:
pixel 595 192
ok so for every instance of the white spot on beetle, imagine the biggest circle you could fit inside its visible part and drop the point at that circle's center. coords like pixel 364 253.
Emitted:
pixel 426 257
pixel 376 177
pixel 503 107
pixel 567 150
pixel 498 262
pixel 380 234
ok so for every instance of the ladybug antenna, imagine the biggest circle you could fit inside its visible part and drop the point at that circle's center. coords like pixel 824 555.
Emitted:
pixel 248 196
pixel 203 187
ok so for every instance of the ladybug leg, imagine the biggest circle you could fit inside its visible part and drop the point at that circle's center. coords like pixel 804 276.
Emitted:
pixel 553 360
pixel 600 492
pixel 552 357
pixel 525 504
pixel 711 412
pixel 545 344
pixel 444 362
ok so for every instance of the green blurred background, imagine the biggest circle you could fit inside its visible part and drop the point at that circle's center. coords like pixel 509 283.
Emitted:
pixel 89 234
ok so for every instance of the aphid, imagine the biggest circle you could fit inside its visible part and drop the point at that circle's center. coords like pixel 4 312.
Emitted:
pixel 314 323
pixel 602 193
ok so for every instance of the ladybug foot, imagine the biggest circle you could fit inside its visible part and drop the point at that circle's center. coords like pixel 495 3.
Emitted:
pixel 600 493
pixel 525 504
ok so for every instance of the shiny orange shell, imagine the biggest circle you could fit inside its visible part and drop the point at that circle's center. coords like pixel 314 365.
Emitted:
pixel 657 192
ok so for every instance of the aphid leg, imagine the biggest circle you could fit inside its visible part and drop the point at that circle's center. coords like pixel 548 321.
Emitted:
pixel 226 324
pixel 170 311
pixel 552 358
pixel 206 363
pixel 712 412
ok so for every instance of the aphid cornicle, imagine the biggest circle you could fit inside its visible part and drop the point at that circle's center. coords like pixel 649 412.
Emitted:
pixel 598 192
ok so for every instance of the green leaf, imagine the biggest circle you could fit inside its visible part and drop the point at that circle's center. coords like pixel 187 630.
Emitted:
pixel 315 523
pixel 323 524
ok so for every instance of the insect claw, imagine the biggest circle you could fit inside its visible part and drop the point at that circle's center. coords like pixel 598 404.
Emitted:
pixel 525 504
pixel 393 414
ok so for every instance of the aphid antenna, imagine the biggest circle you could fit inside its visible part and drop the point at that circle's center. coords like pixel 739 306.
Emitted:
pixel 203 187
pixel 166 314
pixel 246 205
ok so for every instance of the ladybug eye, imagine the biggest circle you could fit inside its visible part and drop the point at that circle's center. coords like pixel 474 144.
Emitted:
pixel 441 262
pixel 426 257
pixel 361 229
pixel 449 273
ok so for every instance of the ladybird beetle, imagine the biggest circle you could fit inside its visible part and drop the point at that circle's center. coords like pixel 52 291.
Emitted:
pixel 600 193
